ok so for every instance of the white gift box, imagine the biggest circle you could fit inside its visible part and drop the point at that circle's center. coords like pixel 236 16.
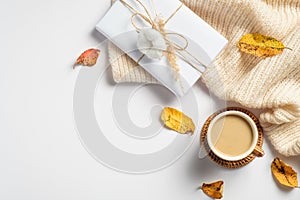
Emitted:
pixel 204 42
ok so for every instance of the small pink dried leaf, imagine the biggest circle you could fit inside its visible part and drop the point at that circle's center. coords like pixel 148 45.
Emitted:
pixel 88 58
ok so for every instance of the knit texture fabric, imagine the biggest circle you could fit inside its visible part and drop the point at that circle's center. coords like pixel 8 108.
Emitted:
pixel 271 84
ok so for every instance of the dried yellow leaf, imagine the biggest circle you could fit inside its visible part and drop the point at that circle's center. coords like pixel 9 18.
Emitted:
pixel 284 173
pixel 260 45
pixel 214 190
pixel 177 121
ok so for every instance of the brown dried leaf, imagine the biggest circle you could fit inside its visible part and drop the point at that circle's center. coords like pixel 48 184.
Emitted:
pixel 88 58
pixel 284 173
pixel 214 190
pixel 177 121
pixel 260 45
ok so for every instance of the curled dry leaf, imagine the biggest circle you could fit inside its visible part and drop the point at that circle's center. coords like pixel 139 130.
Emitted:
pixel 214 190
pixel 177 121
pixel 260 45
pixel 284 173
pixel 88 58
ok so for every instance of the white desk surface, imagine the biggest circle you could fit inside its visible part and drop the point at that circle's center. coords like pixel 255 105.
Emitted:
pixel 42 156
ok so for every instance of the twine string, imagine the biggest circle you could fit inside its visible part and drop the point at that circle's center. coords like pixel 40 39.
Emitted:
pixel 146 10
pixel 174 13
pixel 160 28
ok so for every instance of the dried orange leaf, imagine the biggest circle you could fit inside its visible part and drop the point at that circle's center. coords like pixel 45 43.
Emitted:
pixel 177 121
pixel 214 190
pixel 284 173
pixel 260 45
pixel 88 58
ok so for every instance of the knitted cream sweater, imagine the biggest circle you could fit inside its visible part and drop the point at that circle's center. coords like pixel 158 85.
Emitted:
pixel 270 84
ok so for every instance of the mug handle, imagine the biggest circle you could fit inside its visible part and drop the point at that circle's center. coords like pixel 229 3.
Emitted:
pixel 258 151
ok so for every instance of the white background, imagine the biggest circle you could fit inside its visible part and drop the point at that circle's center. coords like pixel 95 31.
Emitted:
pixel 40 151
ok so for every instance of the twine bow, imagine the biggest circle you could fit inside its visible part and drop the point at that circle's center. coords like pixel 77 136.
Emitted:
pixel 158 23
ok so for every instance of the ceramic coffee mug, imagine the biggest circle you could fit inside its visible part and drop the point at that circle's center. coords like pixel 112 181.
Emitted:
pixel 233 135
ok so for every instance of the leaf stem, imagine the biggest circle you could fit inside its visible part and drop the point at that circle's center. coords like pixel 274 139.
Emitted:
pixel 288 48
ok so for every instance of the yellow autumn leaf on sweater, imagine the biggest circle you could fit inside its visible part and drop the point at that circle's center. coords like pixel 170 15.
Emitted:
pixel 260 45
pixel 177 121
pixel 214 190
pixel 284 173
